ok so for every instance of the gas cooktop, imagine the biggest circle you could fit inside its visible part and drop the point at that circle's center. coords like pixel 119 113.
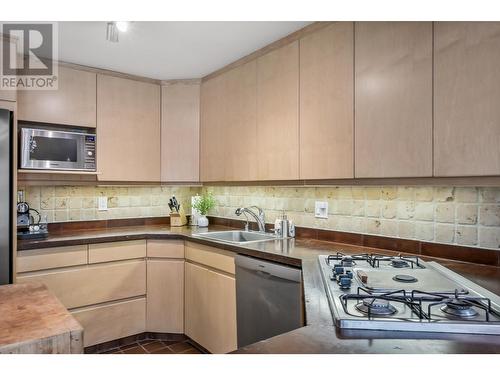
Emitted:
pixel 400 293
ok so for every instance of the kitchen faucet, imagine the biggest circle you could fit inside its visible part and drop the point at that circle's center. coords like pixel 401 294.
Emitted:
pixel 260 218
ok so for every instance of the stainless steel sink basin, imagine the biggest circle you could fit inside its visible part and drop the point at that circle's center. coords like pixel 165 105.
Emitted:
pixel 237 236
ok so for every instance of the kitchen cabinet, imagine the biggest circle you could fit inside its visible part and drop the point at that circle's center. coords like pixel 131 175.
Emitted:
pixel 165 286
pixel 327 103
pixel 393 96
pixel 128 130
pixel 92 284
pixel 180 132
pixel 213 129
pixel 466 95
pixel 278 114
pixel 52 257
pixel 112 251
pixel 73 103
pixel 240 97
pixel 210 309
pixel 113 320
pixel 210 298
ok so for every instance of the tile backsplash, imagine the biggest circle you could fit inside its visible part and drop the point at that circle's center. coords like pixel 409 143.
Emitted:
pixel 468 216
pixel 74 203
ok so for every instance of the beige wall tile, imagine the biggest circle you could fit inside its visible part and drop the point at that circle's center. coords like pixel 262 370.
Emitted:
pixel 489 214
pixel 466 235
pixel 490 195
pixel 444 194
pixel 389 209
pixel 466 194
pixel 424 211
pixel 406 210
pixel 424 231
pixel 445 233
pixel 445 212
pixel 489 237
pixel 406 229
pixel 424 194
pixel 466 214
pixel 372 208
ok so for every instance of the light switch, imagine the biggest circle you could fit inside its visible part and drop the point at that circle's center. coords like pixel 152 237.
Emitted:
pixel 102 204
pixel 321 210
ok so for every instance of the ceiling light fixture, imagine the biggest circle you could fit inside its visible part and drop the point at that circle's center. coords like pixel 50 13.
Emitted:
pixel 112 32
pixel 114 28
pixel 122 26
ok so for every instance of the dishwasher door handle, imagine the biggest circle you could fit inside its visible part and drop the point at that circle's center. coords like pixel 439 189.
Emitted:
pixel 269 270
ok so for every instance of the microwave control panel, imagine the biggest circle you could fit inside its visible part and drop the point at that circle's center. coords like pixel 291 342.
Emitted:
pixel 90 152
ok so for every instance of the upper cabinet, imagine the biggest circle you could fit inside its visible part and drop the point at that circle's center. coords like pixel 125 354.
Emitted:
pixel 240 98
pixel 326 103
pixel 128 129
pixel 278 114
pixel 466 97
pixel 73 103
pixel 393 99
pixel 212 130
pixel 180 128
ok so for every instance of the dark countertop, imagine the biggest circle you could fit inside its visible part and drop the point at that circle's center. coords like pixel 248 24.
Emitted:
pixel 320 335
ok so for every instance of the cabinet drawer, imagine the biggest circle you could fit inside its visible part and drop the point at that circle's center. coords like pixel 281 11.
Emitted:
pixel 166 249
pixel 88 285
pixel 53 257
pixel 108 252
pixel 112 321
pixel 210 256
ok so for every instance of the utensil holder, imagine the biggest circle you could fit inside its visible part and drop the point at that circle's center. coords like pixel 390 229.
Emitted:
pixel 178 219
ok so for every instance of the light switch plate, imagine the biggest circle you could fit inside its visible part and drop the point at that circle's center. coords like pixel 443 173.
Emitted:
pixel 321 210
pixel 102 204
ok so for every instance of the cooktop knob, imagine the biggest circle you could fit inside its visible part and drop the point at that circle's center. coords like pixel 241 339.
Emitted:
pixel 345 282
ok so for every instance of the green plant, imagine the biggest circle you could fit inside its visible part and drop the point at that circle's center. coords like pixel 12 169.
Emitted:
pixel 204 203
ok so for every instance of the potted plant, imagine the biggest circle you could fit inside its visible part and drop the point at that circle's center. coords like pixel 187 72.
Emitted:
pixel 204 204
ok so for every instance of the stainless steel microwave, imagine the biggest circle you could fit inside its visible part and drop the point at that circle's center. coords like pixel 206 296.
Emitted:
pixel 57 150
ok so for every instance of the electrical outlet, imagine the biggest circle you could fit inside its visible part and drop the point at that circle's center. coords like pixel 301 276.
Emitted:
pixel 102 204
pixel 321 210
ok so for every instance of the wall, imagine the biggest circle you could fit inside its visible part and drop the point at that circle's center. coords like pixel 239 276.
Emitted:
pixel 74 203
pixel 454 215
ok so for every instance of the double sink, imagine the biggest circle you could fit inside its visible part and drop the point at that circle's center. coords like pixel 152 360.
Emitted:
pixel 237 236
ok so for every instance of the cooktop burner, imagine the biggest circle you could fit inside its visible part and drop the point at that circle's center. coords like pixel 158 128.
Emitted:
pixel 399 263
pixel 373 291
pixel 405 279
pixel 376 307
pixel 459 309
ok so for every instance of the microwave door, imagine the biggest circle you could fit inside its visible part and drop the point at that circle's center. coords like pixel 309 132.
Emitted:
pixel 52 150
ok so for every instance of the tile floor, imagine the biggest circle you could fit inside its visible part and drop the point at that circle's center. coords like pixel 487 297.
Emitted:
pixel 152 346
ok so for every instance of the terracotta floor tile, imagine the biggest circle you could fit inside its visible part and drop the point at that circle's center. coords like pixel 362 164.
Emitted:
pixel 152 346
pixel 180 347
pixel 137 350
pixel 165 350
pixel 128 346
pixel 192 351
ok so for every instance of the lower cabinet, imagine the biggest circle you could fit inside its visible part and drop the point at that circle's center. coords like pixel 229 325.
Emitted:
pixel 89 285
pixel 165 305
pixel 112 320
pixel 210 308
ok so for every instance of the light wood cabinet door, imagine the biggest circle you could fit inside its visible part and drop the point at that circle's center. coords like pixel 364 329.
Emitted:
pixel 327 103
pixel 180 132
pixel 112 321
pixel 278 114
pixel 112 251
pixel 128 130
pixel 165 288
pixel 213 131
pixel 53 257
pixel 73 103
pixel 466 98
pixel 240 97
pixel 210 309
pixel 393 99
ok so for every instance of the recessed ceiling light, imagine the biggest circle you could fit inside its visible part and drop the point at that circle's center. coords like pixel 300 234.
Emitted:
pixel 122 26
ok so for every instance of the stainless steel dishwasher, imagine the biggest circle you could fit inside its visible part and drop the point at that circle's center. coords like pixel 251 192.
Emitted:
pixel 268 299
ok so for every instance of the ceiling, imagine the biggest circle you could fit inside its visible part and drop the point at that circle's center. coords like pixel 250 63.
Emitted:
pixel 167 50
